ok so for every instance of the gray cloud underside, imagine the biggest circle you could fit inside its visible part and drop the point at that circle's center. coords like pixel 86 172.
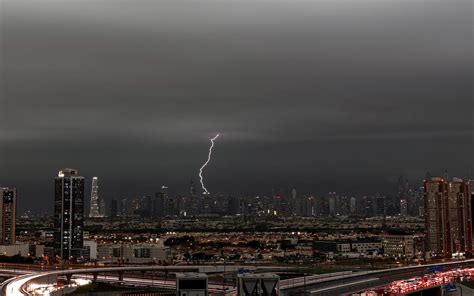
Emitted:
pixel 386 85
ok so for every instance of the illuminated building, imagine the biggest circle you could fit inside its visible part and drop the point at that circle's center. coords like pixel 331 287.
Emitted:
pixel 401 244
pixel 460 216
pixel 102 207
pixel 94 211
pixel 68 214
pixel 448 216
pixel 7 215
pixel 438 232
pixel 403 207
pixel 141 253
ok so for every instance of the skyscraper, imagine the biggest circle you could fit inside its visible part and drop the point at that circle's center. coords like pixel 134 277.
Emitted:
pixel 102 207
pixel 7 215
pixel 353 205
pixel 448 216
pixel 94 211
pixel 113 208
pixel 159 208
pixel 437 216
pixel 332 203
pixel 403 189
pixel 68 213
pixel 460 215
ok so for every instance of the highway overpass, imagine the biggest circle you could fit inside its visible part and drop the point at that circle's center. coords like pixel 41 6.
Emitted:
pixel 313 285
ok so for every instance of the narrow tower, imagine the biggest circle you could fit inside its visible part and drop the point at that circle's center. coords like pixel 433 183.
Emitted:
pixel 7 215
pixel 94 211
pixel 68 214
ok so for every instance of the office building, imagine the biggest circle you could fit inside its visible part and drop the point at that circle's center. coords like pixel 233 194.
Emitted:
pixel 143 253
pixel 7 215
pixel 399 244
pixel 68 214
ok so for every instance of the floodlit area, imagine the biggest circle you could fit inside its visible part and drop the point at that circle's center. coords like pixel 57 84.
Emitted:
pixel 43 289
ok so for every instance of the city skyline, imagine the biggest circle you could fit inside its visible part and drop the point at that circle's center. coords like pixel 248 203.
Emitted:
pixel 304 95
pixel 289 193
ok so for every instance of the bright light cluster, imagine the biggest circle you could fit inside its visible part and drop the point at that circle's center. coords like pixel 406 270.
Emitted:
pixel 46 290
pixel 429 280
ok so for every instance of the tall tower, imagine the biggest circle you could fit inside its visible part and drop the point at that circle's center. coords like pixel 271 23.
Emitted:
pixel 160 202
pixel 102 207
pixel 294 203
pixel 192 190
pixel 113 208
pixel 94 211
pixel 460 215
pixel 7 215
pixel 438 230
pixel 68 213
pixel 448 216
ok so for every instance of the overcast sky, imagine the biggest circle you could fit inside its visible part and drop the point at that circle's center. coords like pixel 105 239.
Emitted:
pixel 319 95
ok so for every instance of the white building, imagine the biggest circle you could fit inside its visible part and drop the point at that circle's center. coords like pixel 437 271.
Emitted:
pixel 92 246
pixel 134 253
pixel 401 245
pixel 12 250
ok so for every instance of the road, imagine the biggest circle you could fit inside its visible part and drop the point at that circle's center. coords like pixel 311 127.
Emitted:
pixel 316 285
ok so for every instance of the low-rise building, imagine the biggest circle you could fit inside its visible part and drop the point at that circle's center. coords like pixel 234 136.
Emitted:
pixel 92 246
pixel 133 253
pixel 401 244
pixel 362 246
pixel 366 245
pixel 13 250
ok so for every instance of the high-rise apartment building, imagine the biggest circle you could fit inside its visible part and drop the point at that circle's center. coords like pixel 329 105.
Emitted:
pixel 438 230
pixel 447 216
pixel 68 213
pixel 7 215
pixel 460 216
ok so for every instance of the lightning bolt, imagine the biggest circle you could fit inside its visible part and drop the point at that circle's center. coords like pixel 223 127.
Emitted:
pixel 205 164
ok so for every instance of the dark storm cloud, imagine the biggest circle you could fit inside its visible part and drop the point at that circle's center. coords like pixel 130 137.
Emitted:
pixel 316 94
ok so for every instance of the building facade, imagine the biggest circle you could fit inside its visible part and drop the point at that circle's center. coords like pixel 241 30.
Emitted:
pixel 68 214
pixel 134 253
pixel 7 215
pixel 94 204
pixel 460 216
pixel 447 216
pixel 399 245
